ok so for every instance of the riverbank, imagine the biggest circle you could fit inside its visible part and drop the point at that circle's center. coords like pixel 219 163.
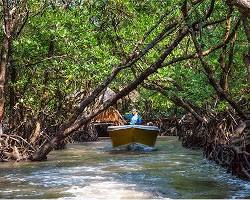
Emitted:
pixel 224 140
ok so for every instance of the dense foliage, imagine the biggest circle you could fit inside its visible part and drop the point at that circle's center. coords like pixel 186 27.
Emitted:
pixel 164 57
pixel 64 50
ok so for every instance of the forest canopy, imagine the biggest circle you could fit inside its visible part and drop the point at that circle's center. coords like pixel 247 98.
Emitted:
pixel 58 57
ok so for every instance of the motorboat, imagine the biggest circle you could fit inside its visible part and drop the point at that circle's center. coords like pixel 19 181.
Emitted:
pixel 128 134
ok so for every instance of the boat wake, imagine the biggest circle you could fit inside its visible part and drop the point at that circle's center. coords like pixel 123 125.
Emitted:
pixel 135 147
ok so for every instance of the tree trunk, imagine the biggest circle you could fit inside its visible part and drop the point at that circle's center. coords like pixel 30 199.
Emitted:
pixel 13 22
pixel 226 66
pixel 246 24
pixel 247 62
pixel 5 51
pixel 244 8
pixel 12 93
pixel 242 5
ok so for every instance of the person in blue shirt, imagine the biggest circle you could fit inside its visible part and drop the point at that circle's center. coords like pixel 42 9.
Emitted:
pixel 134 117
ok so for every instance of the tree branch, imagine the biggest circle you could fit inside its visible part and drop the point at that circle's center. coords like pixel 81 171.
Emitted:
pixel 210 75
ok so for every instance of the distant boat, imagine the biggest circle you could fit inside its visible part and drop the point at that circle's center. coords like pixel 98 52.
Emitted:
pixel 127 134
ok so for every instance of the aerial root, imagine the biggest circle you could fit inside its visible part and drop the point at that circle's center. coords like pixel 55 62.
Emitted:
pixel 14 147
pixel 223 141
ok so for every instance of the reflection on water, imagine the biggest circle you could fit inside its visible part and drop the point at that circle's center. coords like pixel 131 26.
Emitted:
pixel 96 171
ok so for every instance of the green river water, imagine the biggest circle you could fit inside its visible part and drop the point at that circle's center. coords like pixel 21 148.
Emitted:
pixel 96 171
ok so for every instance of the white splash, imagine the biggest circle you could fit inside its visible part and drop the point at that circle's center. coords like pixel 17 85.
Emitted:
pixel 107 190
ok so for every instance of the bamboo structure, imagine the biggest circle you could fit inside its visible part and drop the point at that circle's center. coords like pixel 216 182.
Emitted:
pixel 110 115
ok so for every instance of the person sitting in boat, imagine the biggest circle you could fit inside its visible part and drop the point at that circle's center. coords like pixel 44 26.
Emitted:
pixel 135 118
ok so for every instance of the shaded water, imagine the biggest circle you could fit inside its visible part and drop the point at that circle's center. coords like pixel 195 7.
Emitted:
pixel 95 171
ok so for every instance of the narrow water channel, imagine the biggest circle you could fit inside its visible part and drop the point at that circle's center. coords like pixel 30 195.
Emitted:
pixel 95 171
